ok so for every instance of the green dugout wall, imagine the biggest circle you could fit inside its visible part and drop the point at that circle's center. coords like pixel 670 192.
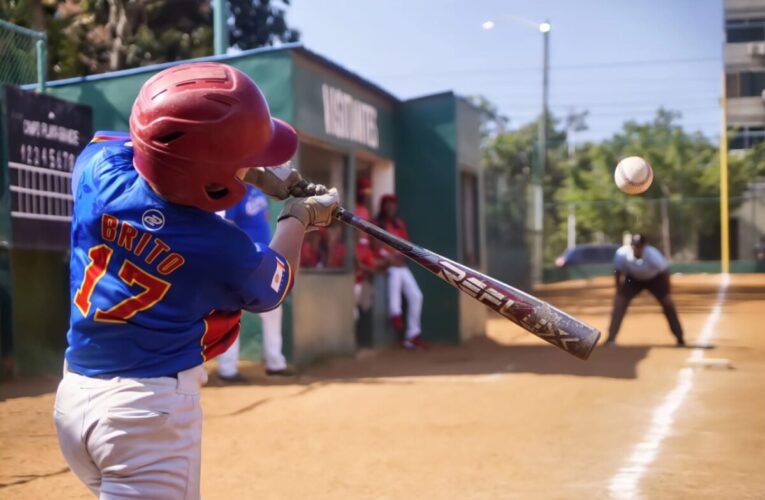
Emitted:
pixel 437 143
pixel 427 149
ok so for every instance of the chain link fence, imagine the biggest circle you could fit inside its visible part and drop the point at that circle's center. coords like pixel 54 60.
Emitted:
pixel 22 55
pixel 580 238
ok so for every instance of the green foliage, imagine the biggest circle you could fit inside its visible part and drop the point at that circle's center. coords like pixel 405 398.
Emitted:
pixel 15 11
pixel 493 122
pixel 96 36
pixel 752 162
pixel 259 23
pixel 684 196
pixel 509 159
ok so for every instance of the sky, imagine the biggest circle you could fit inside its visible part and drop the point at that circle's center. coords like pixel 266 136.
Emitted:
pixel 619 59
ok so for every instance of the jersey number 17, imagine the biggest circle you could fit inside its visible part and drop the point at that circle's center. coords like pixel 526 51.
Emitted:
pixel 154 289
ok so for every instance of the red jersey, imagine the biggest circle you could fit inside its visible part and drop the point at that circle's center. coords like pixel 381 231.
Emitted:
pixel 365 256
pixel 397 228
pixel 310 255
pixel 363 213
pixel 336 257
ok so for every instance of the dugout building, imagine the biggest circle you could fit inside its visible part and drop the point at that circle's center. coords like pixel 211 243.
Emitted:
pixel 426 150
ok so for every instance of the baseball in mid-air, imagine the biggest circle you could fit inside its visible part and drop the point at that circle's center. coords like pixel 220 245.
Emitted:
pixel 633 175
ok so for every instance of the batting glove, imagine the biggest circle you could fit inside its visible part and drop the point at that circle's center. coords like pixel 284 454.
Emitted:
pixel 314 211
pixel 282 182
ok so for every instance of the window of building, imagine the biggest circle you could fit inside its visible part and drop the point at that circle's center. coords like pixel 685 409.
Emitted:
pixel 471 249
pixel 747 84
pixel 747 137
pixel 324 248
pixel 745 30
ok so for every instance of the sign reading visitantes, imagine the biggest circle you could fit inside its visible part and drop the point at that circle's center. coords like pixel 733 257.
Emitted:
pixel 348 118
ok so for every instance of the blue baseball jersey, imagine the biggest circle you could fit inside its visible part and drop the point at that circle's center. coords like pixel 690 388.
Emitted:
pixel 156 287
pixel 251 215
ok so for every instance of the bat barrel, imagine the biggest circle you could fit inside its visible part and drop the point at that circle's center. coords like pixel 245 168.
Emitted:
pixel 532 314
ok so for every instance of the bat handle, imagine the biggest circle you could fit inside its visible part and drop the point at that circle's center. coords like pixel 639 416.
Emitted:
pixel 339 213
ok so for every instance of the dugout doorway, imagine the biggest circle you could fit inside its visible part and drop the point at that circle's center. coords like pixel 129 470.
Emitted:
pixel 375 177
pixel 321 304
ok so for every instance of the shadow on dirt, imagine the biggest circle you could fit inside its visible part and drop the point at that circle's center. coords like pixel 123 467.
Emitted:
pixel 483 356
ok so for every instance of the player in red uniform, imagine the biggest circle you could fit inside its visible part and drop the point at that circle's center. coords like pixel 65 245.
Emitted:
pixel 400 279
pixel 363 198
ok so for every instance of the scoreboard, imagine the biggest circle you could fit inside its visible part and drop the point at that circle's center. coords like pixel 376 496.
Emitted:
pixel 45 135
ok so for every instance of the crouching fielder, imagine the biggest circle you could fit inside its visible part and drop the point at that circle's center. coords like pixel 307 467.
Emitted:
pixel 158 281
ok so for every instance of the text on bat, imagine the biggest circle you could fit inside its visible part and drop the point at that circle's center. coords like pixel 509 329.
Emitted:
pixel 476 288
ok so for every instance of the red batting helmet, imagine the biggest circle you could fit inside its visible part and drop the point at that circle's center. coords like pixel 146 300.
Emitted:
pixel 194 125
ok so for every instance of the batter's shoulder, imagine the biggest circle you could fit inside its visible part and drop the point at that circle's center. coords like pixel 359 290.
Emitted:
pixel 233 242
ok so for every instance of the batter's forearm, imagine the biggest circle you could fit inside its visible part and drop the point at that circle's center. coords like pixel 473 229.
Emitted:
pixel 287 241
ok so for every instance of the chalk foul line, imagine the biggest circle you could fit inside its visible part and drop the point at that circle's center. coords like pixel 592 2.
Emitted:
pixel 626 482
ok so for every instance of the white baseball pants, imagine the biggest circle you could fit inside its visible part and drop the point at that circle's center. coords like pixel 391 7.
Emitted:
pixel 401 280
pixel 272 346
pixel 132 437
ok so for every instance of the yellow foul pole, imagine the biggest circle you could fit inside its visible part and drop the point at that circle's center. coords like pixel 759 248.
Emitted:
pixel 724 234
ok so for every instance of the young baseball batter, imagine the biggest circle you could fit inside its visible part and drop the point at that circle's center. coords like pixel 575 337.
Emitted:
pixel 158 281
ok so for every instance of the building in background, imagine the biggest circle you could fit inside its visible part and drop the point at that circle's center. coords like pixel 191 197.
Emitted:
pixel 744 59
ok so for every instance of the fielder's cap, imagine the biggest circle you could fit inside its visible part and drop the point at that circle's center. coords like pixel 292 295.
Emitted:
pixel 638 240
pixel 387 198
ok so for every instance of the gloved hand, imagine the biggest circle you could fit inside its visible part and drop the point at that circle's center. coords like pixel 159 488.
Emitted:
pixel 282 182
pixel 314 211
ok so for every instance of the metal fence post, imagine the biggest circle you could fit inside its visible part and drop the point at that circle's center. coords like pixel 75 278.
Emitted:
pixel 42 63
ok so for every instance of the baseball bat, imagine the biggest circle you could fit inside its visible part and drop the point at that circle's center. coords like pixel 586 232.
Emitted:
pixel 530 313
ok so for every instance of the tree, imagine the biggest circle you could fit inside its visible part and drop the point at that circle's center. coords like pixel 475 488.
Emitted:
pixel 752 162
pixel 682 202
pixel 493 122
pixel 680 212
pixel 509 158
pixel 95 36
pixel 258 23
pixel 575 122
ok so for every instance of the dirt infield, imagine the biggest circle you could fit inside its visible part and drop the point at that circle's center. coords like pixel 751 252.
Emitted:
pixel 504 416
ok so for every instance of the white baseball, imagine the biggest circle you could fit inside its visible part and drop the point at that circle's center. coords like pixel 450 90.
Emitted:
pixel 633 175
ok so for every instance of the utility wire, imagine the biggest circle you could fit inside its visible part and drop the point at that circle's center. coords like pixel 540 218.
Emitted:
pixel 612 64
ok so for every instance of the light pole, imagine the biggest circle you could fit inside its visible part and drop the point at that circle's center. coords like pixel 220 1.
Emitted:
pixel 536 222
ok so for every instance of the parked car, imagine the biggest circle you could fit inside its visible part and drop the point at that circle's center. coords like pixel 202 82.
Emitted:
pixel 587 254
